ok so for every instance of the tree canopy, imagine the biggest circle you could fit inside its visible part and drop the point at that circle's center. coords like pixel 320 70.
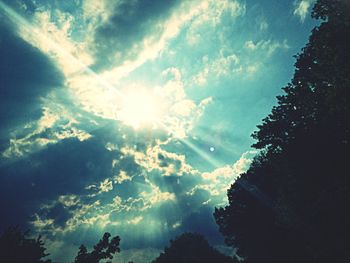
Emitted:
pixel 191 248
pixel 103 250
pixel 16 247
pixel 292 204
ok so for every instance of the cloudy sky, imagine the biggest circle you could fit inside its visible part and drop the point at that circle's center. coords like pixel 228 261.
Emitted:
pixel 134 116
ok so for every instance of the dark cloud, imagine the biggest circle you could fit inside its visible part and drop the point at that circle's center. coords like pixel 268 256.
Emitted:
pixel 129 24
pixel 25 75
pixel 63 168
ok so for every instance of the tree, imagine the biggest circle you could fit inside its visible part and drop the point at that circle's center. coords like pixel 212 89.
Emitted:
pixel 15 247
pixel 292 204
pixel 191 248
pixel 103 250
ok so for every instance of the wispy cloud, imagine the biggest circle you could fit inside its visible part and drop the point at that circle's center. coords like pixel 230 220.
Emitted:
pixel 217 181
pixel 221 66
pixel 55 124
pixel 267 46
pixel 301 8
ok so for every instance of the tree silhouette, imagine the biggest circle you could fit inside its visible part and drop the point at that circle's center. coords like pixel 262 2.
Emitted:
pixel 103 250
pixel 191 248
pixel 292 204
pixel 15 247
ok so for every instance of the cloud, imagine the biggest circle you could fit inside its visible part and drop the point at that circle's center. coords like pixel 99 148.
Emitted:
pixel 115 200
pixel 156 196
pixel 221 66
pixel 63 168
pixel 156 158
pixel 182 112
pixel 263 25
pixel 68 213
pixel 168 29
pixel 105 186
pixel 56 123
pixel 52 32
pixel 134 196
pixel 26 75
pixel 121 177
pixel 133 192
pixel 126 29
pixel 73 167
pixel 267 46
pixel 97 11
pixel 218 181
pixel 135 220
pixel 301 8
pixel 211 14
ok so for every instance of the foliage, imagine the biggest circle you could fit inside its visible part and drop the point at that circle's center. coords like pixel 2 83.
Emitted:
pixel 103 250
pixel 292 204
pixel 15 247
pixel 191 248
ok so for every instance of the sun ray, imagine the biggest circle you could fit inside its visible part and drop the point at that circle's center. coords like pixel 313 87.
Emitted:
pixel 55 50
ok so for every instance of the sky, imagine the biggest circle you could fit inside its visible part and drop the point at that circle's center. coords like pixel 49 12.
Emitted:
pixel 134 117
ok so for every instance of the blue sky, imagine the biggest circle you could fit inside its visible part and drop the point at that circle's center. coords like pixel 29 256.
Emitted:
pixel 134 117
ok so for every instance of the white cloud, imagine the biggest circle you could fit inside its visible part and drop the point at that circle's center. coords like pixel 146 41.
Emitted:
pixel 210 15
pixel 39 223
pixel 111 147
pixel 263 25
pixel 155 158
pixel 250 45
pixel 56 124
pixel 105 186
pixel 53 37
pixel 183 108
pixel 182 112
pixel 122 177
pixel 219 180
pixel 135 220
pixel 301 8
pixel 97 11
pixel 252 68
pixel 222 65
pixel 156 196
pixel 68 200
pixel 267 46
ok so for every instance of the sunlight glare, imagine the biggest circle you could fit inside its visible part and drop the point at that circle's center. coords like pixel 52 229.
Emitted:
pixel 140 108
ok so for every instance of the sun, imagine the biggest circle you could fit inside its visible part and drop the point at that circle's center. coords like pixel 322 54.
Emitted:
pixel 140 108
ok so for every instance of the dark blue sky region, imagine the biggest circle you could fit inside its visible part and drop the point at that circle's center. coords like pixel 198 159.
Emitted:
pixel 134 117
